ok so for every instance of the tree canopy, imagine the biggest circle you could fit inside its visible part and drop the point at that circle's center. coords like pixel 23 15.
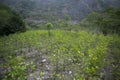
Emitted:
pixel 108 20
pixel 10 21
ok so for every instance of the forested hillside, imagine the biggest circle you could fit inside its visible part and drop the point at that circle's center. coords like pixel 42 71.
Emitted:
pixel 59 40
pixel 42 10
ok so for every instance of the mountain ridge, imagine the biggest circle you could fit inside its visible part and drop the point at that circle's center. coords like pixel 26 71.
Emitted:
pixel 55 9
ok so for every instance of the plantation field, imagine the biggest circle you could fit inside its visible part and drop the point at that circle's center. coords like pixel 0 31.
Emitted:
pixel 59 55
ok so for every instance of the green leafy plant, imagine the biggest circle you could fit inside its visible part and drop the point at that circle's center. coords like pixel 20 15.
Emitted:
pixel 10 21
pixel 16 68
pixel 49 26
pixel 63 55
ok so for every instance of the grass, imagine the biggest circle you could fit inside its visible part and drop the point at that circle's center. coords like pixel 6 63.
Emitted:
pixel 64 54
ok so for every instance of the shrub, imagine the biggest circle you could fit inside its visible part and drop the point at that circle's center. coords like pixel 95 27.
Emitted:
pixel 10 21
pixel 49 26
pixel 108 20
pixel 16 68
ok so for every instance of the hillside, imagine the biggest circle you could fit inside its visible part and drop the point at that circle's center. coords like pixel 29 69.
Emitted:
pixel 59 40
pixel 63 55
pixel 38 11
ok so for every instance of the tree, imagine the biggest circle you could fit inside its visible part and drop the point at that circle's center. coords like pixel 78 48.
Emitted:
pixel 108 20
pixel 112 20
pixel 49 26
pixel 10 21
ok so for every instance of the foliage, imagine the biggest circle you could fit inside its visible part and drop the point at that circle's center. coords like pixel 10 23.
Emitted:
pixel 40 10
pixel 10 21
pixel 16 68
pixel 66 54
pixel 108 20
pixel 49 25
pixel 114 54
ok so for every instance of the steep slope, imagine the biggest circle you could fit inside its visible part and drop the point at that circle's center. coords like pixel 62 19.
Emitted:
pixel 57 9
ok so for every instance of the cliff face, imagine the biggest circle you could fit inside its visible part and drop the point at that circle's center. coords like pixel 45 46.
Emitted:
pixel 76 9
